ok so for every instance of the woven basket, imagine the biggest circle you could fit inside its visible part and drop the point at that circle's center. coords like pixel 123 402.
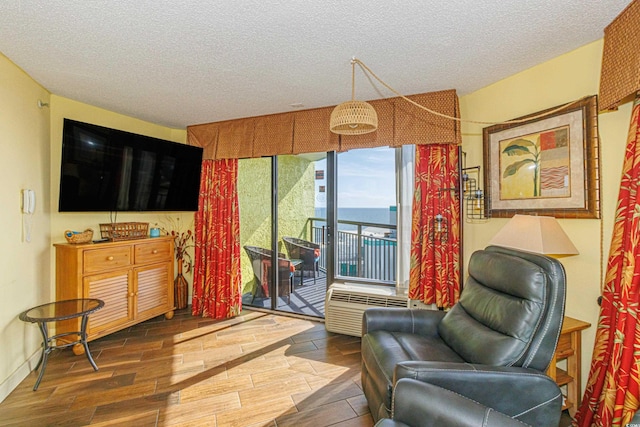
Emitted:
pixel 79 237
pixel 124 230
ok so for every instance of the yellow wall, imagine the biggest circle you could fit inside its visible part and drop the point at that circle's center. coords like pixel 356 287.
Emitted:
pixel 25 266
pixel 62 108
pixel 563 79
pixel 31 139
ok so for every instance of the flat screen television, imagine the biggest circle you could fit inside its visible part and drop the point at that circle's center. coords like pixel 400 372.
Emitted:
pixel 106 169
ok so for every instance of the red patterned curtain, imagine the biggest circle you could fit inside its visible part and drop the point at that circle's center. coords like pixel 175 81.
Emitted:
pixel 216 279
pixel 435 250
pixel 612 394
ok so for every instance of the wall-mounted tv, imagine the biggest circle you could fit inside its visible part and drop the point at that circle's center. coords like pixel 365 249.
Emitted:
pixel 111 170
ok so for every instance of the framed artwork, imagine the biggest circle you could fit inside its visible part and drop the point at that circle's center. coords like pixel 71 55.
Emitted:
pixel 548 165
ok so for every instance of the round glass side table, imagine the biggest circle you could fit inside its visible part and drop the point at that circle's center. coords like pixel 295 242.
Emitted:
pixel 61 310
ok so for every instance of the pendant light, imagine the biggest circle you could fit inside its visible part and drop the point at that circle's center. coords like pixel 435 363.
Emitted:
pixel 353 117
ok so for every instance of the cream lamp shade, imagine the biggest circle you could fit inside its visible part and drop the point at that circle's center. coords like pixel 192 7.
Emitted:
pixel 538 234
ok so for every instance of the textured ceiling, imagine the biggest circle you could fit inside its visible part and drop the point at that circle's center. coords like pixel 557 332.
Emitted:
pixel 180 62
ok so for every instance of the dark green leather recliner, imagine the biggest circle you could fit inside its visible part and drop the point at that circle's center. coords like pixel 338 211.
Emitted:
pixel 493 347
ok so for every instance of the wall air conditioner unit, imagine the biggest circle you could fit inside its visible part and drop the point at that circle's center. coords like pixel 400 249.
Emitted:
pixel 345 303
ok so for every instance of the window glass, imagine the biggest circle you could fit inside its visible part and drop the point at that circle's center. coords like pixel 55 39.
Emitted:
pixel 366 212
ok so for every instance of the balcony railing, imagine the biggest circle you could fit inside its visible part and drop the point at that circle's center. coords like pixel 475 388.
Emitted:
pixel 363 249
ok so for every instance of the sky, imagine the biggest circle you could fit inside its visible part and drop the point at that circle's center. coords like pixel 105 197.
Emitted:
pixel 366 179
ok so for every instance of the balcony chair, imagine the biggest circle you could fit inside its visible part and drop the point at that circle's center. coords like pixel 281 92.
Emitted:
pixel 419 404
pixel 261 264
pixel 492 347
pixel 307 252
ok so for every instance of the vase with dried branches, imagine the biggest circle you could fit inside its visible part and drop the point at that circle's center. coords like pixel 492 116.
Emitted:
pixel 183 240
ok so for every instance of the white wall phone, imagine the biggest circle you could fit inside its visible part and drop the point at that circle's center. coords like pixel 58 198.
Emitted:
pixel 28 201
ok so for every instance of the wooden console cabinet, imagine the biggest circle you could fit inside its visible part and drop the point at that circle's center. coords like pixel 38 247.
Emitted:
pixel 569 350
pixel 134 278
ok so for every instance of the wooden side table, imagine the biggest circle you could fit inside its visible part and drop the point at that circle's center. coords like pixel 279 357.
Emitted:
pixel 569 350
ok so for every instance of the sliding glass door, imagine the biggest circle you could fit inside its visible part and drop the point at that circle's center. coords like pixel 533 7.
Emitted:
pixel 256 227
pixel 301 225
pixel 280 226
pixel 307 220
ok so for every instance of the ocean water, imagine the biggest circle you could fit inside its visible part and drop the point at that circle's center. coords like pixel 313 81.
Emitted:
pixel 379 248
pixel 370 215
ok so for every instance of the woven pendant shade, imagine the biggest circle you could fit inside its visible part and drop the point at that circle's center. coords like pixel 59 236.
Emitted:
pixel 353 118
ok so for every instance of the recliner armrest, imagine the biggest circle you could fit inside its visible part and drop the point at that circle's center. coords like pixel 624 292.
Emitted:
pixel 525 394
pixel 421 322
pixel 422 404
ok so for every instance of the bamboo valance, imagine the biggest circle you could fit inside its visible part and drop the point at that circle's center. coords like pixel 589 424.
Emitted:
pixel 307 131
pixel 620 75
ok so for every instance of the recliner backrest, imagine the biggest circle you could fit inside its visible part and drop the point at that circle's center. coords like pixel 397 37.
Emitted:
pixel 510 311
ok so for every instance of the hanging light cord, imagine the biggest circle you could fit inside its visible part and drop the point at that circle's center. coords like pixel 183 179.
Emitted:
pixel 353 78
pixel 367 70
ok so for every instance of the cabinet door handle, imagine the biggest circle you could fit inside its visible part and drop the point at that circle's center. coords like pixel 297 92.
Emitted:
pixel 155 251
pixel 109 258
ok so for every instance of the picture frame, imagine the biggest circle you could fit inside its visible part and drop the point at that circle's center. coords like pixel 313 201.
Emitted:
pixel 547 165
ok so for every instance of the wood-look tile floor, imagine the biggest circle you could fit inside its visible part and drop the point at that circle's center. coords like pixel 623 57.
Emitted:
pixel 257 369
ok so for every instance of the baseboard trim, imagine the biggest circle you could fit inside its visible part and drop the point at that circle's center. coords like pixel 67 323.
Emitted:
pixel 18 375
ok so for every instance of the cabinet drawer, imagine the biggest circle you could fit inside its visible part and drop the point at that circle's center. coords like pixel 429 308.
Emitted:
pixel 96 260
pixel 564 348
pixel 153 252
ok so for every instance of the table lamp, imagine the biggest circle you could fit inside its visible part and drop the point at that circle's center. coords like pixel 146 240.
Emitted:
pixel 538 234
